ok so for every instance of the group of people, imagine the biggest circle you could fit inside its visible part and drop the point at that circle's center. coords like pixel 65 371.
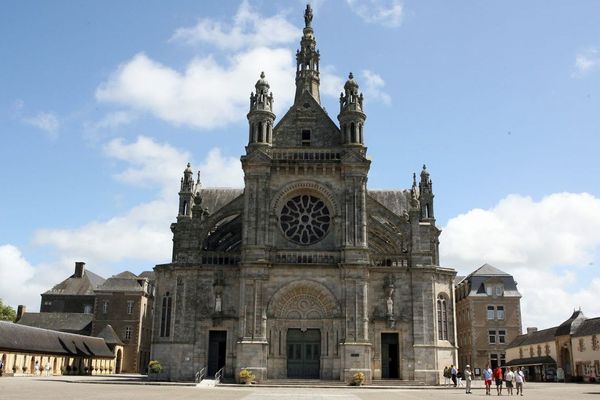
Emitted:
pixel 513 378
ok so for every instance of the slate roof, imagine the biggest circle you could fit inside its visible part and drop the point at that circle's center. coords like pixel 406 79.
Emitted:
pixel 488 270
pixel 545 335
pixel 531 361
pixel 589 327
pixel 65 322
pixel 216 198
pixel 394 200
pixel 78 286
pixel 148 274
pixel 478 278
pixel 570 326
pixel 22 338
pixel 109 335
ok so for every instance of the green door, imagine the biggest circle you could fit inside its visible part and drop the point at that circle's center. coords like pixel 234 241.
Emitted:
pixel 304 353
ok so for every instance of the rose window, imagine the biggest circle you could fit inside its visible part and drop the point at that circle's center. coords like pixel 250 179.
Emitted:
pixel 305 219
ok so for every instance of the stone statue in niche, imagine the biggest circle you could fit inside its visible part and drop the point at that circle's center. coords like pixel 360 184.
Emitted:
pixel 218 303
pixel 218 285
pixel 389 302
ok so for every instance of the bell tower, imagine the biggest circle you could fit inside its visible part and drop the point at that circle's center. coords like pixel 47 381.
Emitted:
pixel 260 116
pixel 351 117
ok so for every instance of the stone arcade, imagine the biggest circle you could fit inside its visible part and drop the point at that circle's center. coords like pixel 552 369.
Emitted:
pixel 305 273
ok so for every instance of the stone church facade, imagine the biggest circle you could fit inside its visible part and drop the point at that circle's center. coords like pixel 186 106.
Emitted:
pixel 305 273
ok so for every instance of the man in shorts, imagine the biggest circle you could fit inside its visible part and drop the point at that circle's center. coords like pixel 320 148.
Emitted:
pixel 498 378
pixel 509 378
pixel 487 378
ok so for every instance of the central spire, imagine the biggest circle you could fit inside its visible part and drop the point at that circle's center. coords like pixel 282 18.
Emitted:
pixel 307 61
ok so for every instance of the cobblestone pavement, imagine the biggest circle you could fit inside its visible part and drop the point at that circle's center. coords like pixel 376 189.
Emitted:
pixel 67 388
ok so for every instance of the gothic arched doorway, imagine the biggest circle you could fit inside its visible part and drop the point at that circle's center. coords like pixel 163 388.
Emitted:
pixel 565 360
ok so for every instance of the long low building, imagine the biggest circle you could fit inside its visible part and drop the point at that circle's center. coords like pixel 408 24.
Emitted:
pixel 54 352
pixel 568 352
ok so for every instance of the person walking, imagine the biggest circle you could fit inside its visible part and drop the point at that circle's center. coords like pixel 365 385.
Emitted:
pixel 36 368
pixel 487 378
pixel 498 378
pixel 509 378
pixel 453 371
pixel 519 379
pixel 446 376
pixel 468 376
pixel 47 368
pixel 459 377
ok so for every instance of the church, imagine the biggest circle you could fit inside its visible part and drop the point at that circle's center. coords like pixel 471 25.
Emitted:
pixel 305 273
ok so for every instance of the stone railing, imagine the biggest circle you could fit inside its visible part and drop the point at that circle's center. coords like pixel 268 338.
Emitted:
pixel 219 258
pixel 301 154
pixel 306 257
pixel 388 261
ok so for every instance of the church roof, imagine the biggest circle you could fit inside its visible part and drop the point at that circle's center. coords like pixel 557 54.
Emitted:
pixel 394 200
pixel 109 335
pixel 16 337
pixel 570 326
pixel 215 198
pixel 65 322
pixel 74 285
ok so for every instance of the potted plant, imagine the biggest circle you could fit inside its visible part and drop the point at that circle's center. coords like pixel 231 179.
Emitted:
pixel 358 378
pixel 246 376
pixel 154 370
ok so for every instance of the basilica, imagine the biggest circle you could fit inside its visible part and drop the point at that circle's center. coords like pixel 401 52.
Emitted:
pixel 305 273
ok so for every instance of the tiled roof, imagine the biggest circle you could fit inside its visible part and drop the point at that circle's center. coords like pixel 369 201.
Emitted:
pixel 545 335
pixel 78 286
pixel 16 337
pixel 65 322
pixel 109 335
pixel 589 327
pixel 521 362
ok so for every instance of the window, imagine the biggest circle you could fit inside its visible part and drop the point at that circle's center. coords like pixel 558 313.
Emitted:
pixel 500 312
pixel 531 351
pixel 47 302
pixel 581 346
pixel 87 309
pixel 539 350
pixel 595 346
pixel 502 360
pixel 492 337
pixel 129 307
pixel 501 336
pixel 165 317
pixel 520 353
pixel 490 312
pixel 547 349
pixel 128 333
pixel 442 314
pixel 305 137
pixel 105 307
pixel 499 290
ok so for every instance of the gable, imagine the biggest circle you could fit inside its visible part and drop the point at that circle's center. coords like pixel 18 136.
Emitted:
pixel 306 114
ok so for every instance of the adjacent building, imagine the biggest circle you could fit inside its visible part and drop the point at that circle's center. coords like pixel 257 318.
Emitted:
pixel 568 352
pixel 305 273
pixel 488 315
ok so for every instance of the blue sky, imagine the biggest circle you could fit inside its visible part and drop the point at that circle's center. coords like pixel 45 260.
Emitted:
pixel 102 104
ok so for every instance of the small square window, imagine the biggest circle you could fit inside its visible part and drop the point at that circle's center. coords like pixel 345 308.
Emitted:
pixel 500 312
pixel 490 312
pixel 305 137
pixel 492 337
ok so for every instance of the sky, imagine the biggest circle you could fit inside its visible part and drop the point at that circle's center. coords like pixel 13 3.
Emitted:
pixel 102 104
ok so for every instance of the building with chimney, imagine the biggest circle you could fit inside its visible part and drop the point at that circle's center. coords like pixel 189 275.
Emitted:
pixel 305 273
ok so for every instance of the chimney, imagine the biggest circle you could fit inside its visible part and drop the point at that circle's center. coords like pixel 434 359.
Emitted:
pixel 21 309
pixel 531 329
pixel 79 269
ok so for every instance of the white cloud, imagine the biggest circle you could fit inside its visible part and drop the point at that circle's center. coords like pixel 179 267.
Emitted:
pixel 114 120
pixel 206 95
pixel 142 233
pixel 373 87
pixel 549 246
pixel 249 29
pixel 385 12
pixel 21 282
pixel 220 171
pixel 586 61
pixel 46 121
pixel 150 164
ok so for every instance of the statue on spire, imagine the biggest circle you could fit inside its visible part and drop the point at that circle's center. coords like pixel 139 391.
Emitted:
pixel 308 16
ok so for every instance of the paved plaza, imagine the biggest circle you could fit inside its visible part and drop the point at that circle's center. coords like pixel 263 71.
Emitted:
pixel 66 388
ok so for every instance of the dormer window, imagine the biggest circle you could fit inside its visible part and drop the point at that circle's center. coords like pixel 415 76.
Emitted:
pixel 305 137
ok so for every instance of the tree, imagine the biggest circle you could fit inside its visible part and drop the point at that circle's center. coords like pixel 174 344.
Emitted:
pixel 7 313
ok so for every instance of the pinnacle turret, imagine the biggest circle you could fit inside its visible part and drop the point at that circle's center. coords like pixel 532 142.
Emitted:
pixel 307 61
pixel 352 118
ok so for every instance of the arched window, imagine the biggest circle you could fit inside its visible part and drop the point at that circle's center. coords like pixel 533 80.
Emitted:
pixel 352 133
pixel 260 132
pixel 165 317
pixel 184 209
pixel 442 314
